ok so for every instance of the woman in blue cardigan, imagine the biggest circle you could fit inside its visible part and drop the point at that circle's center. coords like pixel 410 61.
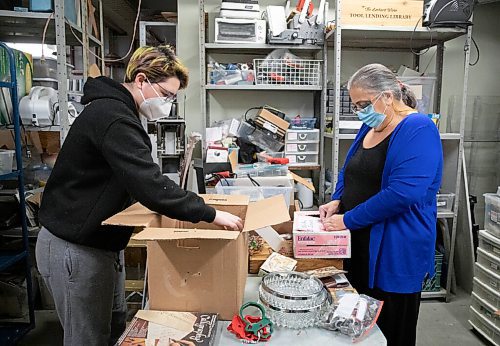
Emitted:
pixel 386 196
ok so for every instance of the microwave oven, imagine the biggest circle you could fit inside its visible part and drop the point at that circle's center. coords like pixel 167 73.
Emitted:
pixel 233 30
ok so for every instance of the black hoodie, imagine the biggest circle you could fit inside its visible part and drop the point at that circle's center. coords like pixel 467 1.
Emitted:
pixel 104 164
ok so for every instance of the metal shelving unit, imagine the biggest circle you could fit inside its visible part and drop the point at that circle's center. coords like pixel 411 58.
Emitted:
pixel 318 92
pixel 27 27
pixel 10 332
pixel 405 39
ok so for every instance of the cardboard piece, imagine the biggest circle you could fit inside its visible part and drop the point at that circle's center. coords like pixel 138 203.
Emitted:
pixel 200 267
pixel 277 263
pixel 150 327
pixel 94 71
pixel 233 159
pixel 310 240
pixel 303 181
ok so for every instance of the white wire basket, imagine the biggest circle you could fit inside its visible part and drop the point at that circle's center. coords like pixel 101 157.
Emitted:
pixel 297 72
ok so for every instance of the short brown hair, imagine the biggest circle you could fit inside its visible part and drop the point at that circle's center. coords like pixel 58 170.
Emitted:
pixel 157 63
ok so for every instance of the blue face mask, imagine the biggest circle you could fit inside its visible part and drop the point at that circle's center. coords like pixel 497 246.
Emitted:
pixel 371 118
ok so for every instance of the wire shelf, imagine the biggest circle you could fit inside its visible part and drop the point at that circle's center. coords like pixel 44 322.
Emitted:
pixel 297 72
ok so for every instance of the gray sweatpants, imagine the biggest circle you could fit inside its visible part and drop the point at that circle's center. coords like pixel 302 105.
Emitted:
pixel 88 286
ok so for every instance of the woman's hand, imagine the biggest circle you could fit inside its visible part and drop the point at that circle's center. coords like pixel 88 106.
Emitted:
pixel 334 223
pixel 227 220
pixel 327 210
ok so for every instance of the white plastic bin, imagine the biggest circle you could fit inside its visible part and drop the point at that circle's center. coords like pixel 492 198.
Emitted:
pixel 302 135
pixel 488 261
pixel 301 147
pixel 303 159
pixel 486 293
pixel 245 186
pixel 487 276
pixel 484 327
pixel 6 159
pixel 492 214
pixel 489 243
pixel 445 202
pixel 485 309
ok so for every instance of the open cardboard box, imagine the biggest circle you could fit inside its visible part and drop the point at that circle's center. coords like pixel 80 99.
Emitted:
pixel 200 267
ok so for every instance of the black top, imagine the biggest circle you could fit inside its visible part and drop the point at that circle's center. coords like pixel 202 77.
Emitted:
pixel 104 164
pixel 362 180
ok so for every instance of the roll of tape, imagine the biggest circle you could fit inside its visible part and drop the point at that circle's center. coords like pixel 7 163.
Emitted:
pixel 244 67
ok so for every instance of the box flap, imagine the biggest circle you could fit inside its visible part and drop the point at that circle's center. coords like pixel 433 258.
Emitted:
pixel 226 199
pixel 180 233
pixel 267 212
pixel 136 215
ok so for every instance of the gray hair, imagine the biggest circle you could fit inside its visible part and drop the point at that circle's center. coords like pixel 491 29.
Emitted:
pixel 377 78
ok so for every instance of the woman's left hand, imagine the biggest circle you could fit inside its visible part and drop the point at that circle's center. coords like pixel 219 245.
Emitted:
pixel 334 223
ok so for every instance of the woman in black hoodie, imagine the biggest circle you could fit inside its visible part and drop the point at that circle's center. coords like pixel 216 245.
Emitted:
pixel 105 164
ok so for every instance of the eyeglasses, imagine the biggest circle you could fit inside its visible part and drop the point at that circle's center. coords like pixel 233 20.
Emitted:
pixel 168 95
pixel 359 106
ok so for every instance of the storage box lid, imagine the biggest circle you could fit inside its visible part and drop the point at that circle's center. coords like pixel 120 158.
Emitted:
pixel 260 214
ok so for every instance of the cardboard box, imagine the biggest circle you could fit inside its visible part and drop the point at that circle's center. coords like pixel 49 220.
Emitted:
pixel 200 267
pixel 150 327
pixel 382 13
pixel 310 240
pixel 267 120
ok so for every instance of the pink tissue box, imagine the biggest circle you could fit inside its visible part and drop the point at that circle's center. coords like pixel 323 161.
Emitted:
pixel 310 240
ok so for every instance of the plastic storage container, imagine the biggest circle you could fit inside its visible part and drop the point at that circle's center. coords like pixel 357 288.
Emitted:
pixel 256 193
pixel 489 243
pixel 492 214
pixel 445 202
pixel 302 135
pixel 6 159
pixel 48 67
pixel 433 284
pixel 259 138
pixel 484 327
pixel 261 170
pixel 302 123
pixel 423 87
pixel 46 82
pixel 488 261
pixel 302 147
pixel 487 276
pixel 485 309
pixel 486 293
pixel 262 157
pixel 303 159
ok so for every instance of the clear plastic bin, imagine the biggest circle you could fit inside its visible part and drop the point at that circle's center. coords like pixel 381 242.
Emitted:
pixel 445 202
pixel 302 147
pixel 6 159
pixel 303 159
pixel 262 157
pixel 259 138
pixel 261 170
pixel 489 243
pixel 484 327
pixel 492 214
pixel 485 309
pixel 423 87
pixel 231 77
pixel 487 276
pixel 486 293
pixel 302 135
pixel 488 261
pixel 256 193
pixel 302 123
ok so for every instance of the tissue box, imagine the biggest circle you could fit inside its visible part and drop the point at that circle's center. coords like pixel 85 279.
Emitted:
pixel 310 240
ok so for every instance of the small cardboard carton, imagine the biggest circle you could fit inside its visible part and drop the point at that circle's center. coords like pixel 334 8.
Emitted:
pixel 310 240
pixel 200 267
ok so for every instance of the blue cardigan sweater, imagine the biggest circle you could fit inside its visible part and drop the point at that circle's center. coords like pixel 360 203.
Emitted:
pixel 403 214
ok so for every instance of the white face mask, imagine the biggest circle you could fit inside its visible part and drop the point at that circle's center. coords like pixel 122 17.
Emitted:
pixel 156 107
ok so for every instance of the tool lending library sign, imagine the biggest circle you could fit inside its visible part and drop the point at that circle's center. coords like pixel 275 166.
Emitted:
pixel 381 13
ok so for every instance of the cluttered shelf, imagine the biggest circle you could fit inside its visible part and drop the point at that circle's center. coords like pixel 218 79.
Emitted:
pixel 257 48
pixel 265 87
pixel 27 27
pixel 395 38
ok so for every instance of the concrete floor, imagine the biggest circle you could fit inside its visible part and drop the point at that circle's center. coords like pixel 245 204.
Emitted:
pixel 439 324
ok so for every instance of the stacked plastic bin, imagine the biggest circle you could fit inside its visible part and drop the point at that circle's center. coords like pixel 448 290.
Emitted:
pixel 485 303
pixel 302 147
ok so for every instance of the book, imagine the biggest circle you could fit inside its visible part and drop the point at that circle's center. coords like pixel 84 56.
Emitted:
pixel 170 328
